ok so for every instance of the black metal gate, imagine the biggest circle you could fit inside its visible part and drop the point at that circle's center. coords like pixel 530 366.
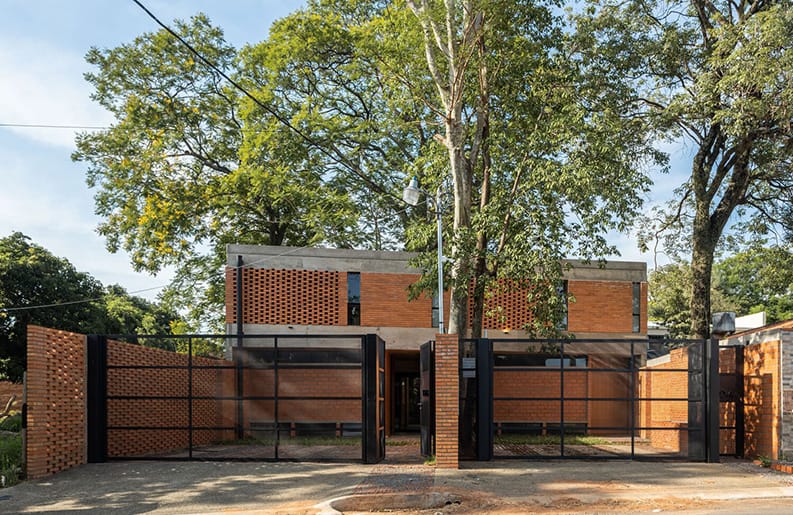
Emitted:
pixel 427 406
pixel 731 400
pixel 264 397
pixel 590 399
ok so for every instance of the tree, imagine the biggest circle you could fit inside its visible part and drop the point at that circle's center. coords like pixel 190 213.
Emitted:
pixel 178 176
pixel 39 288
pixel 715 74
pixel 541 163
pixel 344 102
pixel 670 298
pixel 758 279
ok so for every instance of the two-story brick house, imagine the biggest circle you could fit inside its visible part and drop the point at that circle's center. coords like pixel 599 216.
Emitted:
pixel 314 291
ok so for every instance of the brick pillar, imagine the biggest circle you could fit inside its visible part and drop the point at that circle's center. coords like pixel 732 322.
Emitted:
pixel 447 400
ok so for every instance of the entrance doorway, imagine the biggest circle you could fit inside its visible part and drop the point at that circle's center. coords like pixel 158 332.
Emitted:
pixel 405 393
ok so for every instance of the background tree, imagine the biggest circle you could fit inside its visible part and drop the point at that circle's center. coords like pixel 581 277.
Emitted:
pixel 73 301
pixel 669 298
pixel 758 279
pixel 715 74
pixel 353 98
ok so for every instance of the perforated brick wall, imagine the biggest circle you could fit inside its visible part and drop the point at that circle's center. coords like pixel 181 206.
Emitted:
pixel 56 399
pixel 279 297
pixel 162 382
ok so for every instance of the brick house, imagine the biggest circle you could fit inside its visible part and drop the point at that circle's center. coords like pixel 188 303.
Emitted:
pixel 313 291
pixel 767 374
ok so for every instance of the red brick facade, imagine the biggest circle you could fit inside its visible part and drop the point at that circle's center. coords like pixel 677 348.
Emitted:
pixel 665 414
pixel 319 298
pixel 447 400
pixel 56 410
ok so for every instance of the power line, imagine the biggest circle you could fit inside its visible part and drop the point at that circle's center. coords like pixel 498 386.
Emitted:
pixel 52 126
pixel 94 299
pixel 335 158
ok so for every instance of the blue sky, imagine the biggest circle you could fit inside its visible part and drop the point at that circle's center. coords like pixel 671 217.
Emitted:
pixel 42 45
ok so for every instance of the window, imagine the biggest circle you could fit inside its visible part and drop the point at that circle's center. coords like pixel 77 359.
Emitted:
pixel 435 309
pixel 637 307
pixel 561 291
pixel 353 298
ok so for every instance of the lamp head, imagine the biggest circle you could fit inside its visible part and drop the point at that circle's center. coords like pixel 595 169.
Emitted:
pixel 412 193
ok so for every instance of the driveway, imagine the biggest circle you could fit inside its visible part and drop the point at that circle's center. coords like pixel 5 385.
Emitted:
pixel 495 487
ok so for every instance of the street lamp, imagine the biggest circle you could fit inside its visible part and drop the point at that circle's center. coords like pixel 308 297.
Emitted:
pixel 412 195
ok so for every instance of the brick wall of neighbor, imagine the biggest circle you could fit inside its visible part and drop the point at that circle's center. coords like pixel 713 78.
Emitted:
pixel 665 414
pixel 787 395
pixel 167 412
pixel 447 401
pixel 56 433
pixel 762 396
pixel 763 400
pixel 7 389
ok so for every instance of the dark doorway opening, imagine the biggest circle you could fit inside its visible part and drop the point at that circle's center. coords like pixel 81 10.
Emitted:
pixel 405 393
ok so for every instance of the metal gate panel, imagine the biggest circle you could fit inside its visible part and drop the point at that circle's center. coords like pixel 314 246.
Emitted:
pixel 282 397
pixel 427 407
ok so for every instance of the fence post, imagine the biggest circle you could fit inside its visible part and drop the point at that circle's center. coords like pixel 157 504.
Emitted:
pixel 447 401
pixel 96 352
pixel 484 400
pixel 712 406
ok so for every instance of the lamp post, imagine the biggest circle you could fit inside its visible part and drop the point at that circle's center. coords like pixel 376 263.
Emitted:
pixel 411 195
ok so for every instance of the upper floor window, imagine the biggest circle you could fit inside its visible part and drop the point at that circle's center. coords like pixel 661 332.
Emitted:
pixel 353 298
pixel 435 311
pixel 637 308
pixel 561 291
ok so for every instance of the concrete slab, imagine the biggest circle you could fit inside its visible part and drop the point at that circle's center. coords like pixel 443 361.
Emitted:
pixel 494 487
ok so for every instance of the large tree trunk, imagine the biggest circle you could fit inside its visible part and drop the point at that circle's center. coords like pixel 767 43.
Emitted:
pixel 701 268
pixel 461 175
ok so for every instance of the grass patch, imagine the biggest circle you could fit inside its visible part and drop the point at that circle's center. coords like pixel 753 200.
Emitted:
pixel 307 441
pixel 550 440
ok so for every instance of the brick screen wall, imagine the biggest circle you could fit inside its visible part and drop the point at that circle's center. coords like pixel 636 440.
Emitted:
pixel 303 297
pixel 56 399
pixel 167 412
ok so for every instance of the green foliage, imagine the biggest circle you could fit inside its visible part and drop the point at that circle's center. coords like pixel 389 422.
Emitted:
pixel 11 423
pixel 190 164
pixel 759 279
pixel 752 280
pixel 31 276
pixel 715 74
pixel 10 459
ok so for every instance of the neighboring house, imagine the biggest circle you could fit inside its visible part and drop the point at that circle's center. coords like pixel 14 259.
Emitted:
pixel 315 291
pixel 767 388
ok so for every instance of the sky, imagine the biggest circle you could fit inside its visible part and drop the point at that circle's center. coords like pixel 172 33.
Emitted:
pixel 42 47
